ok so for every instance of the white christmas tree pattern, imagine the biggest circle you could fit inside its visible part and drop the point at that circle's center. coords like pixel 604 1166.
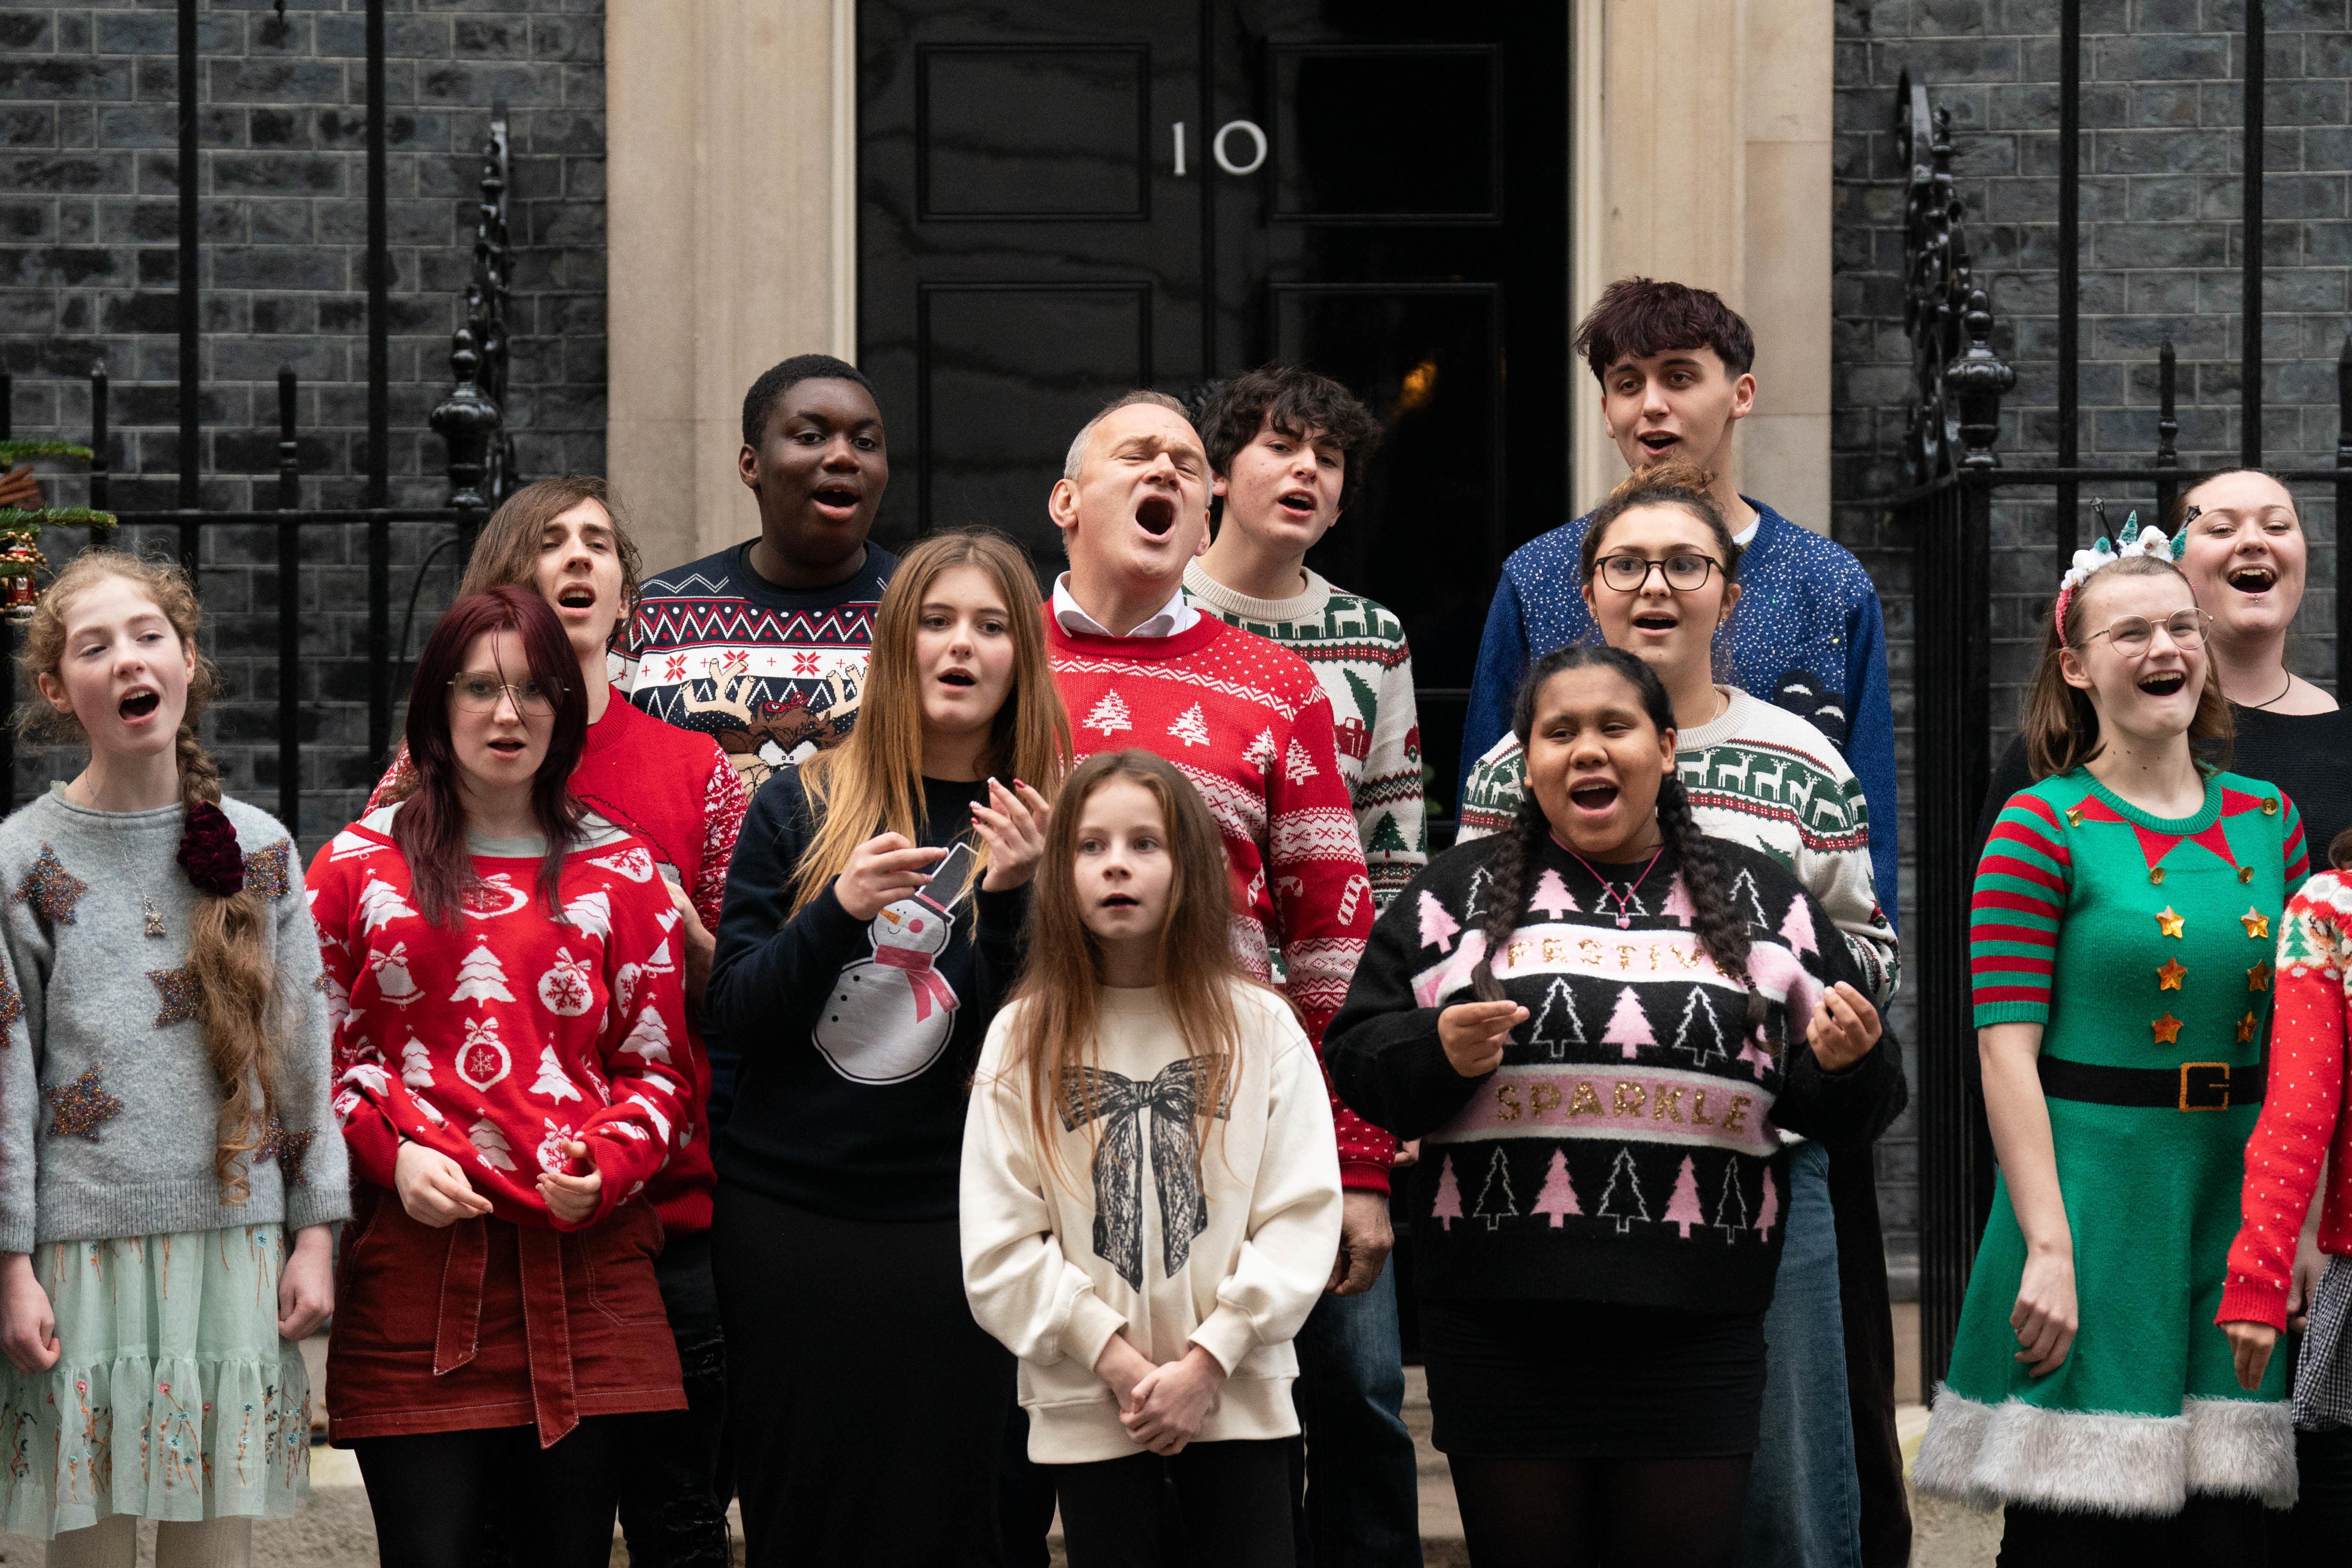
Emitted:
pixel 1622 1199
pixel 1769 1214
pixel 592 913
pixel 490 1145
pixel 1438 929
pixel 564 990
pixel 1731 1212
pixel 484 1059
pixel 1110 715
pixel 1495 1202
pixel 1479 881
pixel 649 1038
pixel 1627 1026
pixel 1682 1205
pixel 1448 1207
pixel 1700 1033
pixel 1557 1025
pixel 1259 753
pixel 552 1082
pixel 1552 897
pixel 1743 887
pixel 415 1066
pixel 481 978
pixel 1797 931
pixel 1296 766
pixel 1191 727
pixel 380 904
pixel 1557 1198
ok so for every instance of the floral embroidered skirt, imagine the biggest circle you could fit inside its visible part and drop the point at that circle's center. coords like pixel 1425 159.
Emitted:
pixel 173 1397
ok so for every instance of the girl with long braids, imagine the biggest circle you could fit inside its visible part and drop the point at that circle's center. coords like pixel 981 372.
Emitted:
pixel 169 1167
pixel 1660 570
pixel 2125 922
pixel 1599 1023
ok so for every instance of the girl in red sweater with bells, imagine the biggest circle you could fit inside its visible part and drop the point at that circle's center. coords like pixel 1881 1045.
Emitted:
pixel 503 968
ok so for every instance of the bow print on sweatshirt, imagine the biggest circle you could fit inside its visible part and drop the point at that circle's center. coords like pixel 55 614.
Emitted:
pixel 1171 1099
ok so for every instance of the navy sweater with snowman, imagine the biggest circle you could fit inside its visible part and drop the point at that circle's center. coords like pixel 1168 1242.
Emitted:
pixel 857 1037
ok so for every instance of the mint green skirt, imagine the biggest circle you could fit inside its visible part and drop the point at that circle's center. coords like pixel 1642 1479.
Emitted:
pixel 173 1397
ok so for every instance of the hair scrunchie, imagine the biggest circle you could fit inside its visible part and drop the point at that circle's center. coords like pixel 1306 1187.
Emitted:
pixel 208 851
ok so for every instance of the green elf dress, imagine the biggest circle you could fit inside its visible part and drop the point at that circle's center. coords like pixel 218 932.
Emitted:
pixel 2142 945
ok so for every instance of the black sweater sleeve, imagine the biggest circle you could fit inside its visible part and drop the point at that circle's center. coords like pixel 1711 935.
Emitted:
pixel 760 989
pixel 1382 1047
pixel 1854 1106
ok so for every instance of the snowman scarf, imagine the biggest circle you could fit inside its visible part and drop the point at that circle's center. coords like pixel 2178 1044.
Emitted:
pixel 930 986
pixel 1121 1103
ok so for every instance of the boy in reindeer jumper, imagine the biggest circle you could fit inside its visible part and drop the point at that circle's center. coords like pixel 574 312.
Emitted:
pixel 1288 449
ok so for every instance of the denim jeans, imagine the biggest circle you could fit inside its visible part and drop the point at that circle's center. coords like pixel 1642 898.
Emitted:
pixel 1363 1482
pixel 1804 1504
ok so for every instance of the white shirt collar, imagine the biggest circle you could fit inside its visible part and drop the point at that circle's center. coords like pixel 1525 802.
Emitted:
pixel 1171 617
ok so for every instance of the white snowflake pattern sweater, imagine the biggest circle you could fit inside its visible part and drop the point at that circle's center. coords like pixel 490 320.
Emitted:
pixel 1358 653
pixel 1248 723
pixel 500 1036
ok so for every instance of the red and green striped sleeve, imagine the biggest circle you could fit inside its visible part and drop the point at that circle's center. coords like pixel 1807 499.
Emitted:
pixel 2297 853
pixel 2021 897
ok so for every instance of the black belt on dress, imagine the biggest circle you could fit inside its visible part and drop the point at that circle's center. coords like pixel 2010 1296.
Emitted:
pixel 2191 1086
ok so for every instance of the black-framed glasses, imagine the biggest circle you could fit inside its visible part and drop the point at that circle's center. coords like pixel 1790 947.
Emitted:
pixel 2132 635
pixel 477 691
pixel 1684 572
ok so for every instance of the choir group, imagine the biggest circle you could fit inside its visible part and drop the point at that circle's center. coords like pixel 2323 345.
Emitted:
pixel 824 1030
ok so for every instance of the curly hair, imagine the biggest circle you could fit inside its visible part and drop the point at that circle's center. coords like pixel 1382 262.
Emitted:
pixel 1296 401
pixel 1722 932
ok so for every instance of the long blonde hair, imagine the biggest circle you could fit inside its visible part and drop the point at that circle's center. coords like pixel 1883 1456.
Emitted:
pixel 1056 1031
pixel 872 782
pixel 239 1001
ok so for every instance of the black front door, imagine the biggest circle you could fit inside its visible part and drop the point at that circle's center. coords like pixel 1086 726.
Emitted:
pixel 1059 202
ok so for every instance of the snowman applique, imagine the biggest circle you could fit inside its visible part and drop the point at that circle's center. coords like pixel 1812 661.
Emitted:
pixel 889 1017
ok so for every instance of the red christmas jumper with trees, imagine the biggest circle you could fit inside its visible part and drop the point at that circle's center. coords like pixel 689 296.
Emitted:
pixel 1247 722
pixel 493 1040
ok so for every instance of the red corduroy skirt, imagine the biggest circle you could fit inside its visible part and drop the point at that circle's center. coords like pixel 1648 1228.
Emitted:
pixel 488 1323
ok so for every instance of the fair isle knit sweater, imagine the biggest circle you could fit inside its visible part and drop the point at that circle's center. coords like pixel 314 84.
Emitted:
pixel 1760 777
pixel 1358 653
pixel 1627 1149
pixel 108 1102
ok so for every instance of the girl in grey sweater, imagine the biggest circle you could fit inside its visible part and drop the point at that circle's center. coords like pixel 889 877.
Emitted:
pixel 165 1190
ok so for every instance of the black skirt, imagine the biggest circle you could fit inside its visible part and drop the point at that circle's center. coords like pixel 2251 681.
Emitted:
pixel 1574 1380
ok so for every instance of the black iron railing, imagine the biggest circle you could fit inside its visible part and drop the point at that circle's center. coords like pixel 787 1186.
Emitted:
pixel 1954 472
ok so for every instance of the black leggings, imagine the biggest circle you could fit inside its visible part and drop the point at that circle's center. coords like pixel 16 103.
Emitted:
pixel 2210 1532
pixel 1625 1513
pixel 432 1493
pixel 1215 1505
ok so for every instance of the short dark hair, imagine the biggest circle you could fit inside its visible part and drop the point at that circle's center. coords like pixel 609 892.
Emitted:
pixel 1637 317
pixel 777 380
pixel 1297 401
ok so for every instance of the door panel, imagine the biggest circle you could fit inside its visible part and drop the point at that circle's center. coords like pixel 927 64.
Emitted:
pixel 1033 132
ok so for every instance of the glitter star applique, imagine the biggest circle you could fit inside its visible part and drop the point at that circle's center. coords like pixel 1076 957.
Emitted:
pixel 2168 1030
pixel 2256 923
pixel 2171 923
pixel 178 987
pixel 50 889
pixel 289 1148
pixel 12 1005
pixel 2169 977
pixel 78 1109
pixel 2246 1028
pixel 265 870
pixel 2258 978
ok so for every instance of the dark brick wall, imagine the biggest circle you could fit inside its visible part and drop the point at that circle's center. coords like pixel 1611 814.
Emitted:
pixel 89 226
pixel 2162 118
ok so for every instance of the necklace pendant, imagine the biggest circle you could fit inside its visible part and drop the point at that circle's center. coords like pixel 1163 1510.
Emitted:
pixel 155 921
pixel 1625 923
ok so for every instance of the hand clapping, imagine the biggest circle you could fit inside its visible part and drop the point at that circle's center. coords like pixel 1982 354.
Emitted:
pixel 1013 825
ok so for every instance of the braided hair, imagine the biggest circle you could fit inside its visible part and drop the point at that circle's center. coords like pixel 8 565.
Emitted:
pixel 1720 929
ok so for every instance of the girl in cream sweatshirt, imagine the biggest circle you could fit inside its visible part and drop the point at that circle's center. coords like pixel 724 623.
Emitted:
pixel 1150 1189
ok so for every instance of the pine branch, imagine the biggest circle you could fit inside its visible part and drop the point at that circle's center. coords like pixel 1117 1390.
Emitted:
pixel 14 452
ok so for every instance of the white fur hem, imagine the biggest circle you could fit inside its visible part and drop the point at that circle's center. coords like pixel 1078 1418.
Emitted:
pixel 1988 1455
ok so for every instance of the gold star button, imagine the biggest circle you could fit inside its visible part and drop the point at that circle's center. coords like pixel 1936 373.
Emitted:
pixel 2075 816
pixel 2270 806
pixel 2245 873
pixel 2156 874
pixel 2258 978
pixel 2169 978
pixel 2246 1028
pixel 2168 1030
pixel 2257 925
pixel 2171 923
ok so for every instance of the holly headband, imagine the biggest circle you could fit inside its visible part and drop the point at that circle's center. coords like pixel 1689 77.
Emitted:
pixel 2150 541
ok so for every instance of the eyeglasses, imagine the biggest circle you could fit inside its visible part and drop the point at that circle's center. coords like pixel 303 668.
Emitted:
pixel 477 692
pixel 1631 574
pixel 2132 635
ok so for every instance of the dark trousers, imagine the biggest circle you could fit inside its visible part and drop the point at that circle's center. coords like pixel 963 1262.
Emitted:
pixel 1215 1505
pixel 2210 1532
pixel 1362 1479
pixel 863 1405
pixel 433 1493
pixel 1024 1496
pixel 2320 1528
pixel 671 1508
pixel 1869 1319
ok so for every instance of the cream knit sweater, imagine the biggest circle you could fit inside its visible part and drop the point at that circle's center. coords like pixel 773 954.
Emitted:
pixel 1122 1235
